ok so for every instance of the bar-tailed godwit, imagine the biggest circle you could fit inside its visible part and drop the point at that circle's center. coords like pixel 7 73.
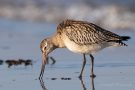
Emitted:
pixel 80 37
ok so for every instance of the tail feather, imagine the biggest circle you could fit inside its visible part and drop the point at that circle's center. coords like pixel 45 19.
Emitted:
pixel 119 42
pixel 125 38
pixel 122 44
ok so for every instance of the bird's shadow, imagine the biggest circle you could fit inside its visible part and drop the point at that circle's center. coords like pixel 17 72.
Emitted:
pixel 42 83
pixel 91 84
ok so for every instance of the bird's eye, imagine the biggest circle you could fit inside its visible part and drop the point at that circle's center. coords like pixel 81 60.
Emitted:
pixel 45 47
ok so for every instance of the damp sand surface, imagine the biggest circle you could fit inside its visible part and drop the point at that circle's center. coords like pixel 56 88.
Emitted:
pixel 114 67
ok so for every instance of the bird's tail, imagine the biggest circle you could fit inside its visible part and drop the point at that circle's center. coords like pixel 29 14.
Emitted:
pixel 125 38
pixel 119 42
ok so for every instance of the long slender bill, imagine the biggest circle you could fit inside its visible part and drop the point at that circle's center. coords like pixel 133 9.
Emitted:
pixel 44 61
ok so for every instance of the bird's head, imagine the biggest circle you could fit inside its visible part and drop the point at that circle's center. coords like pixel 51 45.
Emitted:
pixel 46 47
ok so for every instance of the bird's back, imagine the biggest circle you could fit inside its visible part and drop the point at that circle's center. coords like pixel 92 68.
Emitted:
pixel 83 33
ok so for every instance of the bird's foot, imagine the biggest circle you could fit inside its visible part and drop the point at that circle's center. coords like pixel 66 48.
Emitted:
pixel 80 77
pixel 93 76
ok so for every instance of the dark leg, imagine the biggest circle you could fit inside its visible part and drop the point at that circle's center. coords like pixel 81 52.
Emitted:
pixel 92 83
pixel 92 64
pixel 84 62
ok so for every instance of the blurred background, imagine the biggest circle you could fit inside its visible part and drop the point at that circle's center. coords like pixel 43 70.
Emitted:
pixel 112 14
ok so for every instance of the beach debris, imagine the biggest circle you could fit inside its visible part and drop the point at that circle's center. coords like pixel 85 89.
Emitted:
pixel 62 78
pixel 53 78
pixel 53 60
pixel 1 62
pixel 28 62
pixel 14 62
pixel 25 62
pixel 65 78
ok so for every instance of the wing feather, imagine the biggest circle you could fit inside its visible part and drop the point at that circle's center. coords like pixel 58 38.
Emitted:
pixel 85 33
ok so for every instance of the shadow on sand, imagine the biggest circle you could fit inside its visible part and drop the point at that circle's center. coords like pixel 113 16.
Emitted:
pixel 42 83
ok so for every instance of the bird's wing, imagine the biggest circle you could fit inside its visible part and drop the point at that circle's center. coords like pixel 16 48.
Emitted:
pixel 85 33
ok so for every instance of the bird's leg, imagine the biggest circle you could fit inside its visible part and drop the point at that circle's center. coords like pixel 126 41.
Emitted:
pixel 84 62
pixel 92 64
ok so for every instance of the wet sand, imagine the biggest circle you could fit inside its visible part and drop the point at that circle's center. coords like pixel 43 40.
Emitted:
pixel 114 67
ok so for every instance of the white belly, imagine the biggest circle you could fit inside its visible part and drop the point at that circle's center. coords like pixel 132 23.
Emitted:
pixel 86 49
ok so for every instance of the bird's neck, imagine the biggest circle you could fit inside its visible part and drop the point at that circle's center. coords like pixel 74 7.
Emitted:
pixel 57 41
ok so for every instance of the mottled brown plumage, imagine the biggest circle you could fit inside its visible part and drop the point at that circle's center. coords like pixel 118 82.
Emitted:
pixel 80 37
pixel 85 33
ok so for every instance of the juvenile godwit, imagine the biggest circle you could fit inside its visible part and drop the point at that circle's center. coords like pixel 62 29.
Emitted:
pixel 80 37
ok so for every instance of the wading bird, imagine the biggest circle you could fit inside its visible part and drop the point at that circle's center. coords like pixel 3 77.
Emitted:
pixel 80 37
